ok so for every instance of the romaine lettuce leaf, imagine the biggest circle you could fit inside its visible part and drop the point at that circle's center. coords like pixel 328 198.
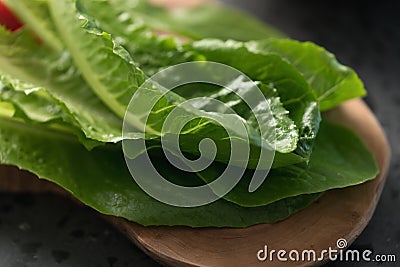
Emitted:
pixel 114 76
pixel 339 160
pixel 106 185
pixel 204 21
pixel 22 58
pixel 6 109
pixel 97 56
pixel 64 82
pixel 34 104
pixel 332 82
pixel 286 133
pixel 34 14
pixel 92 57
pixel 293 90
pixel 152 53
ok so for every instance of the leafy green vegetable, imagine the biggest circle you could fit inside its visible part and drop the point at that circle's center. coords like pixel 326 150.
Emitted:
pixel 106 185
pixel 6 109
pixel 68 77
pixel 327 169
pixel 33 14
pixel 110 69
pixel 22 58
pixel 73 92
pixel 292 88
pixel 332 82
pixel 212 21
pixel 98 58
pixel 160 52
pixel 152 53
pixel 205 21
pixel 33 104
pixel 196 124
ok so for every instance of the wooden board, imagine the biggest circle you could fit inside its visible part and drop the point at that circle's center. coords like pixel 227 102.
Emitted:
pixel 342 213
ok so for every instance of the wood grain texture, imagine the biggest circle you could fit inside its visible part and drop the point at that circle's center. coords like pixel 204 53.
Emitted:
pixel 341 213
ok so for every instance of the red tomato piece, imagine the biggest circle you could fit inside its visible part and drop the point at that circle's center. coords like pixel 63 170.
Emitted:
pixel 8 19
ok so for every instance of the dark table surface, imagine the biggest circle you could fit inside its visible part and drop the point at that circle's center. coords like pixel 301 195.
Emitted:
pixel 47 230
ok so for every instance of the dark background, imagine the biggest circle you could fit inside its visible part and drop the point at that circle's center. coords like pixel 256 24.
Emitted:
pixel 47 230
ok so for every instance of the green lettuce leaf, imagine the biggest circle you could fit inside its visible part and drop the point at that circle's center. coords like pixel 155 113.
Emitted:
pixel 73 87
pixel 339 160
pixel 34 104
pixel 293 90
pixel 22 58
pixel 110 52
pixel 198 123
pixel 106 185
pixel 190 22
pixel 6 109
pixel 114 76
pixel 98 57
pixel 285 135
pixel 332 82
pixel 34 14
pixel 152 53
